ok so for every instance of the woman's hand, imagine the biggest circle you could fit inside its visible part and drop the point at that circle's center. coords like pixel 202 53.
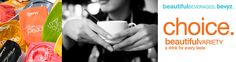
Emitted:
pixel 84 30
pixel 140 37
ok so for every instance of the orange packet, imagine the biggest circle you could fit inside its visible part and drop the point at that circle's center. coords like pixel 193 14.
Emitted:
pixel 31 21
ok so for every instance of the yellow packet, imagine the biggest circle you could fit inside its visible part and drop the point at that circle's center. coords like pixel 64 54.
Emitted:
pixel 11 31
pixel 16 3
pixel 58 45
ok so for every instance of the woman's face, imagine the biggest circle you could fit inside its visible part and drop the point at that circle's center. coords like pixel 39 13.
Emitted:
pixel 112 5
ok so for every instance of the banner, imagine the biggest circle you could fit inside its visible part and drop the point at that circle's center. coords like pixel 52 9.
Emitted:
pixel 196 30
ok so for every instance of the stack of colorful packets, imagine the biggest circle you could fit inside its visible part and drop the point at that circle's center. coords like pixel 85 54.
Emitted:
pixel 11 31
pixel 52 28
pixel 31 21
pixel 6 12
pixel 42 52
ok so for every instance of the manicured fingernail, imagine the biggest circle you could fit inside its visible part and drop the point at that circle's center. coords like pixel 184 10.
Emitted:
pixel 110 48
pixel 115 47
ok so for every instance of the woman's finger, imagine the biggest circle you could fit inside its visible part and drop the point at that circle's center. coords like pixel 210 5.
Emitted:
pixel 129 41
pixel 142 47
pixel 98 29
pixel 98 39
pixel 138 43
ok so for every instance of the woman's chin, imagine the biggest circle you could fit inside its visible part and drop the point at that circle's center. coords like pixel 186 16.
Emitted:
pixel 106 10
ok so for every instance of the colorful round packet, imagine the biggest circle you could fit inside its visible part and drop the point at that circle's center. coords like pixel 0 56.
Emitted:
pixel 42 52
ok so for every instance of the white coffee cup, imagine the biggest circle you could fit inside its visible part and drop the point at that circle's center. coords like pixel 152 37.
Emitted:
pixel 113 27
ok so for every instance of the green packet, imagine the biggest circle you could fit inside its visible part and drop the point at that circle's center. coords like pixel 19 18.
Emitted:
pixel 52 27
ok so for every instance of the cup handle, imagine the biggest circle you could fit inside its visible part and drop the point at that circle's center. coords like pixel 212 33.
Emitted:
pixel 132 25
